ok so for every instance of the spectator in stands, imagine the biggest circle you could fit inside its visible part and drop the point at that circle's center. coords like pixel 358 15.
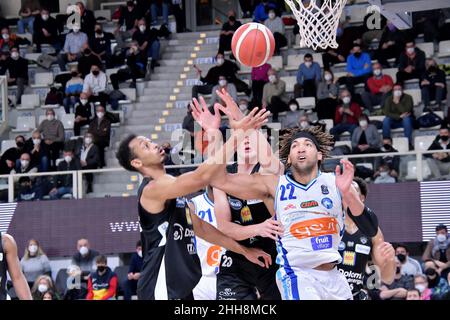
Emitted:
pixel 439 285
pixel 379 85
pixel 74 291
pixel 18 73
pixel 259 79
pixel 327 94
pixel 129 16
pixel 63 184
pixel 391 44
pixel 228 29
pixel 136 67
pixel 421 284
pixel 244 106
pixel 410 266
pixel 42 284
pixel 95 85
pixel 383 175
pixel 86 61
pixel 188 121
pixel 223 84
pixel 8 40
pixel 274 95
pixel 100 128
pixel 53 133
pixel 261 11
pixel 102 283
pixel 75 42
pixel 7 163
pixel 365 137
pixel 31 190
pixel 276 25
pixel 24 165
pixel 225 68
pixel 14 153
pixel 433 84
pixel 38 151
pixel 308 78
pixel 359 68
pixel 27 13
pixel 83 113
pixel 398 109
pixel 347 115
pixel 84 258
pixel 411 63
pixel 413 294
pixel 100 45
pixel 134 272
pixel 439 162
pixel 291 120
pixel 50 295
pixel 74 87
pixel 149 45
pixel 34 262
pixel 439 247
pixel 393 162
pixel 165 12
pixel 398 289
pixel 45 31
pixel 345 38
pixel 87 19
pixel 89 159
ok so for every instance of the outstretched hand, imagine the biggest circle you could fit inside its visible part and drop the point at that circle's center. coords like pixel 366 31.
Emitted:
pixel 231 108
pixel 254 120
pixel 344 179
pixel 203 116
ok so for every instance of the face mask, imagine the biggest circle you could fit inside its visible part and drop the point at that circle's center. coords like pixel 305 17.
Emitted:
pixel 87 51
pixel 100 115
pixel 430 272
pixel 308 64
pixel 42 288
pixel 304 124
pixel 24 163
pixel 401 257
pixel 421 287
pixel 397 93
pixel 88 140
pixel 36 141
pixel 101 268
pixel 98 31
pixel 44 17
pixel 33 248
pixel 384 174
pixel 357 54
pixel 328 77
pixel 20 144
pixel 68 159
pixel 96 72
pixel 271 15
pixel 441 237
pixel 387 146
pixel 243 107
pixel 83 101
pixel 363 123
pixel 272 78
pixel 5 36
pixel 293 107
pixel 15 55
pixel 410 50
pixel 139 252
pixel 346 100
pixel 220 61
pixel 76 29
pixel 377 72
pixel 84 250
pixel 444 138
pixel 74 74
pixel 232 18
pixel 142 28
pixel 398 270
pixel 222 83
pixel 50 117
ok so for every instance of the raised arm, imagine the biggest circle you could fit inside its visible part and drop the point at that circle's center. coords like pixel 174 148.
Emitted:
pixel 383 256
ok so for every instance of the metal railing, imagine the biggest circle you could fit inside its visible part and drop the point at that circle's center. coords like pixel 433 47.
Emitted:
pixel 4 103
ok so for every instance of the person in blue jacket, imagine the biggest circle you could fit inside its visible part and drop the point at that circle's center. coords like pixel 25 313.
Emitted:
pixel 359 68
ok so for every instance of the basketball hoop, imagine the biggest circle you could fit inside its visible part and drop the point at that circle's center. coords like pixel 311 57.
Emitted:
pixel 318 21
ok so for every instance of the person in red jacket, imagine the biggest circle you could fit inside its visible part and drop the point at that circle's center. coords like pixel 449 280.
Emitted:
pixel 380 85
pixel 347 115
pixel 102 283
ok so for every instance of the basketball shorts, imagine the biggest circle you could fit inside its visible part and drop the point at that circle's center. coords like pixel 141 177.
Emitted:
pixel 206 288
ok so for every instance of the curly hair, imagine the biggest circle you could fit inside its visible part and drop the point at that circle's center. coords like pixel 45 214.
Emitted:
pixel 324 140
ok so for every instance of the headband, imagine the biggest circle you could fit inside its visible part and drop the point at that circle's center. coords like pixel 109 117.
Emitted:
pixel 307 135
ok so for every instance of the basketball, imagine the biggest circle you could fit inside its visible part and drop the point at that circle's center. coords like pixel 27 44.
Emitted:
pixel 253 44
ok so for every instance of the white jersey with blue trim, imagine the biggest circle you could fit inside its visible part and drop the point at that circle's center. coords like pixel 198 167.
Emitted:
pixel 208 253
pixel 313 220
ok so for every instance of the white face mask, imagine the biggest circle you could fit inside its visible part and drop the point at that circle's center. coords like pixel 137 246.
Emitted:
pixel 308 64
pixel 397 93
pixel 88 140
pixel 304 124
pixel 410 50
pixel 36 141
pixel 272 78
pixel 222 83
pixel 83 101
pixel 142 28
pixel 15 55
pixel 100 115
pixel 363 123
pixel 68 159
pixel 441 237
pixel 220 61
pixel 377 72
pixel 346 100
pixel 328 77
pixel 44 17
pixel 50 117
pixel 243 107
pixel 24 163
pixel 5 36
pixel 271 15
pixel 384 174
pixel 33 248
pixel 76 29
pixel 84 250
pixel 42 288
pixel 293 107
pixel 139 252
pixel 421 287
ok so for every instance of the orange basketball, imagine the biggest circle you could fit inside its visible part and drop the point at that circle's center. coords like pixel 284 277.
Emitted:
pixel 253 44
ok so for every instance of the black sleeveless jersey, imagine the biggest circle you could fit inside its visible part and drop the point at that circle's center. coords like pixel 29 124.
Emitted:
pixel 171 268
pixel 3 269
pixel 355 250
pixel 250 212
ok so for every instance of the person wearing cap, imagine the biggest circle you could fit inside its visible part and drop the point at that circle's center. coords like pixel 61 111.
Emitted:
pixel 438 248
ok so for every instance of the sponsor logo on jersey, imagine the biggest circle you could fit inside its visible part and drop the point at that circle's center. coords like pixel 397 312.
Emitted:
pixel 322 242
pixel 327 203
pixel 349 258
pixel 314 228
pixel 227 294
pixel 324 189
pixel 181 202
pixel 181 232
pixel 351 275
pixel 360 248
pixel 341 246
pixel 235 204
pixel 254 201
pixel 351 244
pixel 191 248
pixel 363 240
pixel 290 206
pixel 213 256
pixel 309 204
pixel 246 214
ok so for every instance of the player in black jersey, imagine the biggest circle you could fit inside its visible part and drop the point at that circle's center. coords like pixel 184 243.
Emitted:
pixel 9 261
pixel 171 267
pixel 357 249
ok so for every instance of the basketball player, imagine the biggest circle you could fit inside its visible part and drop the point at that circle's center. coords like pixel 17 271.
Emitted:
pixel 209 254
pixel 356 249
pixel 9 261
pixel 171 267
pixel 309 204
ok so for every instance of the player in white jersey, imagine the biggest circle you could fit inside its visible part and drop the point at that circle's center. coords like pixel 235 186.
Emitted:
pixel 309 205
pixel 209 254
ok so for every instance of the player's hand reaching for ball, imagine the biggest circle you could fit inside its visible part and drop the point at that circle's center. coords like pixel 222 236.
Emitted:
pixel 255 255
pixel 254 120
pixel 344 178
pixel 231 108
pixel 203 116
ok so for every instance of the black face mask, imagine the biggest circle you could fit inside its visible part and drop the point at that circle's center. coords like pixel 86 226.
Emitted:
pixel 387 146
pixel 101 268
pixel 20 144
pixel 74 74
pixel 444 138
pixel 398 270
pixel 357 54
pixel 401 257
pixel 167 150
pixel 232 18
pixel 95 72
pixel 87 51
pixel 98 31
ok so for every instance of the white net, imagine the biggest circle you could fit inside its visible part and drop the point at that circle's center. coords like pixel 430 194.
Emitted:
pixel 318 21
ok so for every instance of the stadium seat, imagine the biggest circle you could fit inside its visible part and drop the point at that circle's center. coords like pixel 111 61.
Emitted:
pixel 7 144
pixel 130 93
pixel 444 49
pixel 367 165
pixel 122 277
pixel 32 56
pixel 121 117
pixel 29 101
pixel 25 124
pixel 422 143
pixel 427 47
pixel 343 143
pixel 103 13
pixel 290 83
pixel 391 72
pixel 329 123
pixel 306 103
pixel 274 125
pixel 401 144
pixel 416 94
pixel 43 78
pixel 276 62
pixel 412 170
pixel 68 121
